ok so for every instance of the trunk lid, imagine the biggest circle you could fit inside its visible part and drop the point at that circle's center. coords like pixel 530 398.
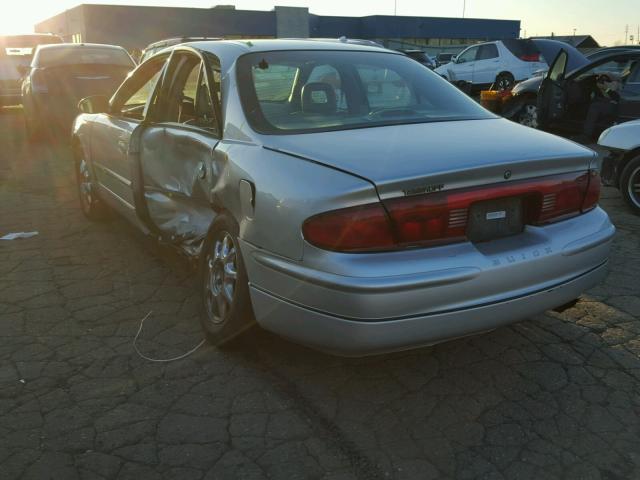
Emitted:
pixel 413 159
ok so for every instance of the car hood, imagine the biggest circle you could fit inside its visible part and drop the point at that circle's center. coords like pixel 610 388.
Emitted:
pixel 402 158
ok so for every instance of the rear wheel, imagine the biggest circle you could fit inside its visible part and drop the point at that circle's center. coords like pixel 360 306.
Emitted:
pixel 630 184
pixel 91 205
pixel 226 305
pixel 505 81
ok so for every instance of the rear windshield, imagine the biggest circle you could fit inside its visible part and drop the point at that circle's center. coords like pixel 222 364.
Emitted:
pixel 22 45
pixel 306 91
pixel 521 48
pixel 48 57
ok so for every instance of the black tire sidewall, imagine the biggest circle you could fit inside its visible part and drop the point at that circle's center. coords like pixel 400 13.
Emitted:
pixel 240 317
pixel 625 178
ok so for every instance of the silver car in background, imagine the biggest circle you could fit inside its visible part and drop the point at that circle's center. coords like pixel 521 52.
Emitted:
pixel 342 195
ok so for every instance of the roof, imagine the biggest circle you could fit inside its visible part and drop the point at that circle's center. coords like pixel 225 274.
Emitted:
pixel 267 45
pixel 578 41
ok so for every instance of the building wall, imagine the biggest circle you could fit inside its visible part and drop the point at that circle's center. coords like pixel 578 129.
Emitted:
pixel 292 22
pixel 137 26
pixel 70 25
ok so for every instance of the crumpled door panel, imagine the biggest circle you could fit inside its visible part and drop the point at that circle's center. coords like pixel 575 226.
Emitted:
pixel 178 176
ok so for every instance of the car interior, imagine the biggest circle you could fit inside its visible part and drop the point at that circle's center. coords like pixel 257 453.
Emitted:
pixel 583 88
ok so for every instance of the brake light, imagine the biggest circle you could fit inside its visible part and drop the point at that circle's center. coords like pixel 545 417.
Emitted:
pixel 441 218
pixel 39 81
pixel 360 228
pixel 531 57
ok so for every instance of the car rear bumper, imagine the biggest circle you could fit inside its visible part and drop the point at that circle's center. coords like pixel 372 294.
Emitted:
pixel 358 304
pixel 346 337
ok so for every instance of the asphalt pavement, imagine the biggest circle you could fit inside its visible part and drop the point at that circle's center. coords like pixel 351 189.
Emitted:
pixel 556 396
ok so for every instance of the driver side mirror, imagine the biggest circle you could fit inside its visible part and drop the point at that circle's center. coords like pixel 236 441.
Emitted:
pixel 95 104
pixel 454 59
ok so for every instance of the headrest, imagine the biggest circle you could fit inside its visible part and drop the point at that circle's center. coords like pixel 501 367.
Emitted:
pixel 318 97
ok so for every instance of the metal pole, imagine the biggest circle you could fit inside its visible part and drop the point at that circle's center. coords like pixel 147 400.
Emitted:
pixel 464 7
pixel 395 7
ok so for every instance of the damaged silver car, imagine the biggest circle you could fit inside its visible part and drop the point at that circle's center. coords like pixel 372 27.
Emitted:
pixel 342 195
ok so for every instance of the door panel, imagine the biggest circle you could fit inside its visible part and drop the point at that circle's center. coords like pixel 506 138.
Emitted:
pixel 487 63
pixel 112 133
pixel 463 68
pixel 552 101
pixel 110 138
pixel 176 153
pixel 178 178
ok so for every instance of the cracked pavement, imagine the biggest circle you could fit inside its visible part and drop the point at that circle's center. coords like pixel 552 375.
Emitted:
pixel 556 396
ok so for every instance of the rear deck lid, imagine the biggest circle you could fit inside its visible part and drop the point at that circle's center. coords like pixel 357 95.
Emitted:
pixel 405 160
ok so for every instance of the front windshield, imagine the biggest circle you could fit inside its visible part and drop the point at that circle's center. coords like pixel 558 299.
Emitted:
pixel 305 91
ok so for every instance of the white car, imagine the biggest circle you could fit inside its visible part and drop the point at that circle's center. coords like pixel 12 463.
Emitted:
pixel 502 63
pixel 621 168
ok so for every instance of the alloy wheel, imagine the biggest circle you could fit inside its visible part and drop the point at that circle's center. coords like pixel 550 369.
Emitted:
pixel 221 276
pixel 529 116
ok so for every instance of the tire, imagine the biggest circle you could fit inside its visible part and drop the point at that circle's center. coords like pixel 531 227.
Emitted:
pixel 630 184
pixel 528 114
pixel 226 311
pixel 505 81
pixel 92 207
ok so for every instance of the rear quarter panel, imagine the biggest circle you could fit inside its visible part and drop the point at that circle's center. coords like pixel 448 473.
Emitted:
pixel 288 190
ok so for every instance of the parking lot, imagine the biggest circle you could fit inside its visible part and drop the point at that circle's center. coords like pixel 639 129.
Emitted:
pixel 556 396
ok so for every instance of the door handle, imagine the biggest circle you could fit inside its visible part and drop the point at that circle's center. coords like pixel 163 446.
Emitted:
pixel 202 171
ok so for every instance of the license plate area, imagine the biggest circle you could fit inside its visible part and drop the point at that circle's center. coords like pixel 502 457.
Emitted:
pixel 493 219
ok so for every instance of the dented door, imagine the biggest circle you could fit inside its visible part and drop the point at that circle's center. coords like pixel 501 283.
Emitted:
pixel 178 174
pixel 176 153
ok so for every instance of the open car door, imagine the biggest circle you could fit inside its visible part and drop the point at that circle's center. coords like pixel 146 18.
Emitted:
pixel 552 98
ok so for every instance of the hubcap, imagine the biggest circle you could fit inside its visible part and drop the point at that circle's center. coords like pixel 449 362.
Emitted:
pixel 529 116
pixel 634 187
pixel 84 184
pixel 221 278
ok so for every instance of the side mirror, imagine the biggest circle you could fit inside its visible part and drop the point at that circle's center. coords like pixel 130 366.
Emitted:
pixel 94 104
pixel 454 59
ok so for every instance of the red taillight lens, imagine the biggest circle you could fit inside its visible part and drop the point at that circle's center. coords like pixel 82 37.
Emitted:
pixel 532 57
pixel 441 218
pixel 358 228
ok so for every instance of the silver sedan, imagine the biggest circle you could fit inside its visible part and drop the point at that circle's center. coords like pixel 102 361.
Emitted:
pixel 343 196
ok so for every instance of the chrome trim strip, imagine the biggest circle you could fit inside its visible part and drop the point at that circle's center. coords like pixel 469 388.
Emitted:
pixel 113 174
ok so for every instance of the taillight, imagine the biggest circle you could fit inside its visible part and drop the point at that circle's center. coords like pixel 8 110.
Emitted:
pixel 39 81
pixel 531 57
pixel 441 218
pixel 360 228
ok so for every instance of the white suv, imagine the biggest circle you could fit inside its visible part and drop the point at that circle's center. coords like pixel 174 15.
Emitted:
pixel 503 62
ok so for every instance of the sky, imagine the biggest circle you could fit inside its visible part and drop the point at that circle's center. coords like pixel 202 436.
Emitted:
pixel 604 19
